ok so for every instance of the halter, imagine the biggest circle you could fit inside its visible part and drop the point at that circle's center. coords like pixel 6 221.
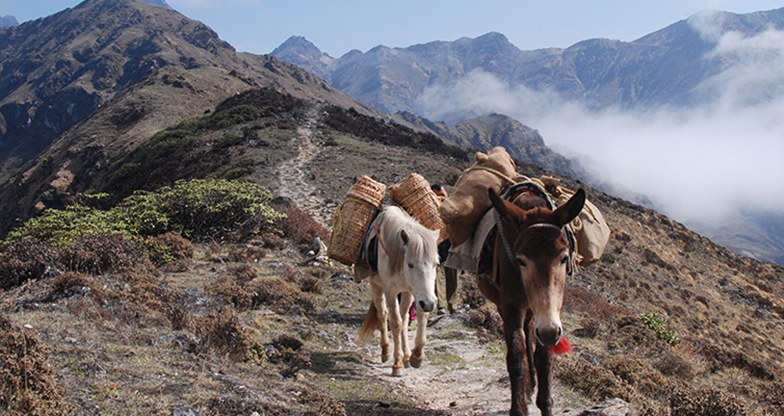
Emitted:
pixel 508 247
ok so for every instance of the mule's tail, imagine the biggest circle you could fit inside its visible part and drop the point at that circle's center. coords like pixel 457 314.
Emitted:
pixel 370 324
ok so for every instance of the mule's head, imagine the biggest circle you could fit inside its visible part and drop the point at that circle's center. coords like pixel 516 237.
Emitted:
pixel 540 250
pixel 420 265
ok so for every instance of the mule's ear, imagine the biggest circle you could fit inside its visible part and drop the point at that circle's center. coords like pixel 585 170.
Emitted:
pixel 569 210
pixel 497 202
pixel 404 236
pixel 504 208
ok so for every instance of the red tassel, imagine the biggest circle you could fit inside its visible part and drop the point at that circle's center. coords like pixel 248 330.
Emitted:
pixel 562 347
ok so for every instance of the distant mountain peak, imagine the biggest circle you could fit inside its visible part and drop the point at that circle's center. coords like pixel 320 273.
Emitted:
pixel 299 45
pixel 158 3
pixel 6 21
pixel 301 52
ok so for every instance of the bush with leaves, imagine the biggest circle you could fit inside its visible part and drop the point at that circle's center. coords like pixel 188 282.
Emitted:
pixel 656 322
pixel 200 208
pixel 197 208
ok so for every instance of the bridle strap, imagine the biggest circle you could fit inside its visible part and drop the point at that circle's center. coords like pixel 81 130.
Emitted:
pixel 508 247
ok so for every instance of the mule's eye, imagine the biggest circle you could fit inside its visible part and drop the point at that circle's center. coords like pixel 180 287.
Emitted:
pixel 564 260
pixel 521 263
pixel 410 265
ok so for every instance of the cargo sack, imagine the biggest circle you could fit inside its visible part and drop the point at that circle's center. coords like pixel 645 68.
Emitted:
pixel 353 218
pixel 416 197
pixel 469 201
pixel 590 228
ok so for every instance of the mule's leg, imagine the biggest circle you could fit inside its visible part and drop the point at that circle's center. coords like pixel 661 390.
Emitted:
pixel 529 354
pixel 381 306
pixel 406 299
pixel 515 359
pixel 396 325
pixel 418 355
pixel 543 360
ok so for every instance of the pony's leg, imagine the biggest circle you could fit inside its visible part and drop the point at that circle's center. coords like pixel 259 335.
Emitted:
pixel 382 313
pixel 530 341
pixel 418 354
pixel 543 360
pixel 406 299
pixel 515 360
pixel 396 325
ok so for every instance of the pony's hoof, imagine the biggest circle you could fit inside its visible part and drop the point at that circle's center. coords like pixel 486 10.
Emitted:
pixel 417 362
pixel 397 372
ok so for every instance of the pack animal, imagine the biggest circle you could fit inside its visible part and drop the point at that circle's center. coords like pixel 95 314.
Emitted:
pixel 407 262
pixel 531 258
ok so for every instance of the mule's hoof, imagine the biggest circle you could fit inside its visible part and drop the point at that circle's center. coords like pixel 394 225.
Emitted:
pixel 397 372
pixel 384 358
pixel 417 362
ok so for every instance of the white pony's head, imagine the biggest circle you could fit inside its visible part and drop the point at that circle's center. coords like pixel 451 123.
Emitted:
pixel 413 249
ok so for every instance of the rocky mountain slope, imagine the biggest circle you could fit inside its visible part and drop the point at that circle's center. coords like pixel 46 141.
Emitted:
pixel 123 341
pixel 57 70
pixel 78 89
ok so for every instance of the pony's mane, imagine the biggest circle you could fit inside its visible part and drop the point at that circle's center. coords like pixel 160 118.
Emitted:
pixel 422 241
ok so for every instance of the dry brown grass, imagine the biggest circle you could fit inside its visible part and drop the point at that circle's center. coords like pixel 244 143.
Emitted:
pixel 223 333
pixel 28 385
pixel 25 260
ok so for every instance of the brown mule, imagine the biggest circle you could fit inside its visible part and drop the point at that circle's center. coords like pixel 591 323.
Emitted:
pixel 531 259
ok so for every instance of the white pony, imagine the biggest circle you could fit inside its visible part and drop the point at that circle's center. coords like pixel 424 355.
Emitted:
pixel 407 262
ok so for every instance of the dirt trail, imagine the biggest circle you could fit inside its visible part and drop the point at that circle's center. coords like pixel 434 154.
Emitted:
pixel 292 175
pixel 476 385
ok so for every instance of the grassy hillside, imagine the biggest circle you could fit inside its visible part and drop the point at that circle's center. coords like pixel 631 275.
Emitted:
pixel 236 323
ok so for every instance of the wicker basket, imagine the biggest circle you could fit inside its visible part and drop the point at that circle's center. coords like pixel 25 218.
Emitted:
pixel 353 218
pixel 416 197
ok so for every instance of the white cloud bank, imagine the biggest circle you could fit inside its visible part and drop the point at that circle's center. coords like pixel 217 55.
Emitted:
pixel 698 165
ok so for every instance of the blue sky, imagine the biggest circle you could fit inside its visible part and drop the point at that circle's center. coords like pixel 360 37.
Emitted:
pixel 338 26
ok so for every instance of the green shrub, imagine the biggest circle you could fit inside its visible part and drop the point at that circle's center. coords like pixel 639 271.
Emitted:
pixel 201 208
pixel 232 116
pixel 60 227
pixel 656 322
pixel 234 171
pixel 197 208
pixel 228 141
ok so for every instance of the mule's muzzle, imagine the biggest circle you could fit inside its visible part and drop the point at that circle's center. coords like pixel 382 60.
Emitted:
pixel 549 336
pixel 427 306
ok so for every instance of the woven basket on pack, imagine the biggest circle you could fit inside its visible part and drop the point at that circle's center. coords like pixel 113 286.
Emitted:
pixel 416 197
pixel 353 218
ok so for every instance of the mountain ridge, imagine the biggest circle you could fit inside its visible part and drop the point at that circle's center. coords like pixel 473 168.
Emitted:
pixel 154 65
pixel 548 68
